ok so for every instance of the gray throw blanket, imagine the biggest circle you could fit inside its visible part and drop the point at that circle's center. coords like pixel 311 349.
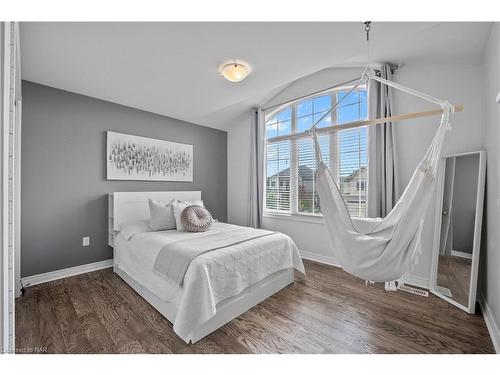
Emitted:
pixel 174 258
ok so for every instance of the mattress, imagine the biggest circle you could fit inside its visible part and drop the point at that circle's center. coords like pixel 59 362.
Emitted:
pixel 211 277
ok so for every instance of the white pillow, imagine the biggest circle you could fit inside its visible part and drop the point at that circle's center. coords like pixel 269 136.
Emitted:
pixel 178 208
pixel 162 215
pixel 130 229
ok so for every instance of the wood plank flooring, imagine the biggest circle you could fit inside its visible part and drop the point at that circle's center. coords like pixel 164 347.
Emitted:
pixel 329 312
pixel 454 273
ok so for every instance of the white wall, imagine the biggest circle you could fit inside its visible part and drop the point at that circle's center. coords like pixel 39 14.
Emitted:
pixel 460 84
pixel 490 265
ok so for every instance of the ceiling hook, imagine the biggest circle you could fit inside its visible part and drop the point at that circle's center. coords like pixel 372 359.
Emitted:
pixel 367 30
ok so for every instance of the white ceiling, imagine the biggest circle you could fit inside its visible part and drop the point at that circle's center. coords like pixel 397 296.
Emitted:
pixel 171 68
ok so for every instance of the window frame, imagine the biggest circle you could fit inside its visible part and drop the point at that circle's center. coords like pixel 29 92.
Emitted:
pixel 294 213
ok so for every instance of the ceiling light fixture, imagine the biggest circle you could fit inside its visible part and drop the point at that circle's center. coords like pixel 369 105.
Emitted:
pixel 235 71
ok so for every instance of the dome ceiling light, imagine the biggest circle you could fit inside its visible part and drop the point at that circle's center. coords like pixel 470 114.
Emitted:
pixel 235 71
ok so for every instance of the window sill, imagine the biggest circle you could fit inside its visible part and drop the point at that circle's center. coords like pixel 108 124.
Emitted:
pixel 304 218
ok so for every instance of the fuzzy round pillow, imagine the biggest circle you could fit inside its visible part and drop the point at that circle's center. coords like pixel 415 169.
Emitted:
pixel 196 219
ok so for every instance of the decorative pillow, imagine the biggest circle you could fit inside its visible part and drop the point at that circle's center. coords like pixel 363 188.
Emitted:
pixel 130 229
pixel 162 215
pixel 196 219
pixel 179 206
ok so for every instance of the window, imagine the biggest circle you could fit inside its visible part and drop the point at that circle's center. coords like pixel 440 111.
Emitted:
pixel 361 185
pixel 290 155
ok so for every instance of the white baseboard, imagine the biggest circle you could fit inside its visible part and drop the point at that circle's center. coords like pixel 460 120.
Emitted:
pixel 490 323
pixel 67 272
pixel 461 254
pixel 319 258
pixel 417 281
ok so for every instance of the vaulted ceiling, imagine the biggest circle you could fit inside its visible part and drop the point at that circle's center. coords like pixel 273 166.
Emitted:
pixel 172 68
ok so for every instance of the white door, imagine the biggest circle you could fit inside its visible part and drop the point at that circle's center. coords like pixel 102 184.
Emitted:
pixel 10 171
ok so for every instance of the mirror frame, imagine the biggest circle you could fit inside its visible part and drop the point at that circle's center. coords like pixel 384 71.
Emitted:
pixel 478 221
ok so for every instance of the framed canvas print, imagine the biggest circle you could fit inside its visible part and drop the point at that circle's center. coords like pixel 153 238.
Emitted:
pixel 130 157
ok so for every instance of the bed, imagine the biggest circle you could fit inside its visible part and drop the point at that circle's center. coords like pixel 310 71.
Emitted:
pixel 217 286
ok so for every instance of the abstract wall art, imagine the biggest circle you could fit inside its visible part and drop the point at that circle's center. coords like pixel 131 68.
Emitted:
pixel 130 157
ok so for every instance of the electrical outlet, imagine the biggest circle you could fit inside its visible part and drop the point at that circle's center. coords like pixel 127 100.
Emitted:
pixel 85 241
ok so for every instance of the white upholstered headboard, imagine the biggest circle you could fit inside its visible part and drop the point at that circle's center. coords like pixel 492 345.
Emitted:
pixel 129 206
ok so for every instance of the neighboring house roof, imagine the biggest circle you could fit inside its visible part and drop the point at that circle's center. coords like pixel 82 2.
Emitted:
pixel 354 174
pixel 305 173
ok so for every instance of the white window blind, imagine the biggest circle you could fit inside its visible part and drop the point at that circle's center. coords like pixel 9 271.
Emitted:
pixel 278 176
pixel 290 163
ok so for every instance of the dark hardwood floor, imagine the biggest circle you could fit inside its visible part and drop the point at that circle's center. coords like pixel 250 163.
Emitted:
pixel 454 273
pixel 330 312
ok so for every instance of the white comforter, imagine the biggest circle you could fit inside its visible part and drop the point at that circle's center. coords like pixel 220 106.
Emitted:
pixel 211 277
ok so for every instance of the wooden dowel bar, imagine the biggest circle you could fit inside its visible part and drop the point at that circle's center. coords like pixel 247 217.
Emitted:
pixel 357 124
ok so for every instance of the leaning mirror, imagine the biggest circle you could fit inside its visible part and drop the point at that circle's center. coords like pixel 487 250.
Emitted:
pixel 457 238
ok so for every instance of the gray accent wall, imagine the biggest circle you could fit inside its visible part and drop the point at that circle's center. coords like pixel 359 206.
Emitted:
pixel 64 187
pixel 464 202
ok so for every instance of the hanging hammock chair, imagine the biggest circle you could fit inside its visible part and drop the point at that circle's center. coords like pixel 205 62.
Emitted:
pixel 381 249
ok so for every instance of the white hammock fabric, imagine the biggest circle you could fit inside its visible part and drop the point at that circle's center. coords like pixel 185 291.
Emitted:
pixel 382 249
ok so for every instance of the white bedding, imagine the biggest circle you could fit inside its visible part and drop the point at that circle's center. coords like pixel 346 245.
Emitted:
pixel 211 277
